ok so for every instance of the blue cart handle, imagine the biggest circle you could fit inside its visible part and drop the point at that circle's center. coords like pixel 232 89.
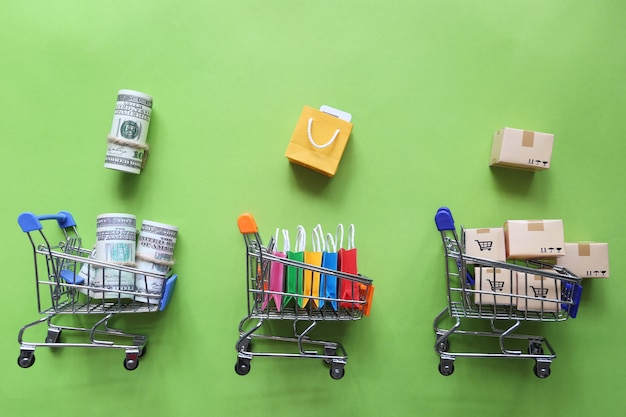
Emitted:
pixel 444 219
pixel 30 222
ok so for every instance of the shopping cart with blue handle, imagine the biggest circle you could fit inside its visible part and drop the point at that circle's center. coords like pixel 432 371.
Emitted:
pixel 529 291
pixel 65 274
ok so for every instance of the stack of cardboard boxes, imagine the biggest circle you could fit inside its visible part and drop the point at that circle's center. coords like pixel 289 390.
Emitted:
pixel 524 240
pixel 528 239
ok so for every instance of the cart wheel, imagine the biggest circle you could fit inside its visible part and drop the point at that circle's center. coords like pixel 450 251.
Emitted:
pixel 542 370
pixel 142 351
pixel 446 367
pixel 242 367
pixel 443 346
pixel 337 371
pixel 26 358
pixel 131 362
pixel 54 336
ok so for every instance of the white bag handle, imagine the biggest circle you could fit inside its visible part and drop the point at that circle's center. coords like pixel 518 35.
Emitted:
pixel 338 233
pixel 300 239
pixel 313 142
pixel 286 243
pixel 330 243
pixel 319 245
pixel 285 240
pixel 276 240
pixel 351 237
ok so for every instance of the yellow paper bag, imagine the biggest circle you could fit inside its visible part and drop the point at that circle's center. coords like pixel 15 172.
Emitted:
pixel 311 280
pixel 318 141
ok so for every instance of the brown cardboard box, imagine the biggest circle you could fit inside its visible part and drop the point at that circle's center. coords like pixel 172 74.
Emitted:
pixel 486 243
pixel 586 259
pixel 496 282
pixel 521 149
pixel 539 288
pixel 534 239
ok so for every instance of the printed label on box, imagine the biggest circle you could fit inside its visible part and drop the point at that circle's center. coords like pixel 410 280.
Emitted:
pixel 486 243
pixel 544 293
pixel 494 286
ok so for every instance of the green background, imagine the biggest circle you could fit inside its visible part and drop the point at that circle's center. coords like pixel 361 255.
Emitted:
pixel 427 83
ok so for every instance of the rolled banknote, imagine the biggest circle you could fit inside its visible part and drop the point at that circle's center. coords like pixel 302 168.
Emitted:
pixel 155 254
pixel 98 279
pixel 115 242
pixel 93 277
pixel 127 146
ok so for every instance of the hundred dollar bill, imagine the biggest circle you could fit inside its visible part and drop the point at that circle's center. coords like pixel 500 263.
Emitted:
pixel 99 280
pixel 127 146
pixel 115 242
pixel 155 254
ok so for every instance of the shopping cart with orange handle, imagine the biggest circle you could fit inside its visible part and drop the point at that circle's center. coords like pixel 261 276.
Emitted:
pixel 305 316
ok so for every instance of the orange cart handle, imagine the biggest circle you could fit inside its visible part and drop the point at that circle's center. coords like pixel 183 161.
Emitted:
pixel 247 224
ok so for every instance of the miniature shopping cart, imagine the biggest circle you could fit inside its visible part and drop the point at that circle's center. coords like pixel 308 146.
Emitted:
pixel 65 275
pixel 260 261
pixel 503 293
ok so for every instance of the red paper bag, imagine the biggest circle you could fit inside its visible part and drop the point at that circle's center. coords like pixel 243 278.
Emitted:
pixel 347 262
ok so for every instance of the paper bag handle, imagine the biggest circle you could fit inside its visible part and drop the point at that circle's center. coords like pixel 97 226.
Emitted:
pixel 313 142
pixel 319 245
pixel 286 243
pixel 339 236
pixel 300 239
pixel 330 243
pixel 351 237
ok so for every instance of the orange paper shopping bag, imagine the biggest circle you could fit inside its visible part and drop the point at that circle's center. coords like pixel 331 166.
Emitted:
pixel 319 139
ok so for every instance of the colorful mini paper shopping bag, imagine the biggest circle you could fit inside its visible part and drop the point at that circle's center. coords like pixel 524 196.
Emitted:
pixel 328 283
pixel 277 271
pixel 319 139
pixel 294 274
pixel 347 262
pixel 311 280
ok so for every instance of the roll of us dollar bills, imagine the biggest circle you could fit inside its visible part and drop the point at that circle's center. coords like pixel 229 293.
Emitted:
pixel 127 146
pixel 155 254
pixel 115 242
